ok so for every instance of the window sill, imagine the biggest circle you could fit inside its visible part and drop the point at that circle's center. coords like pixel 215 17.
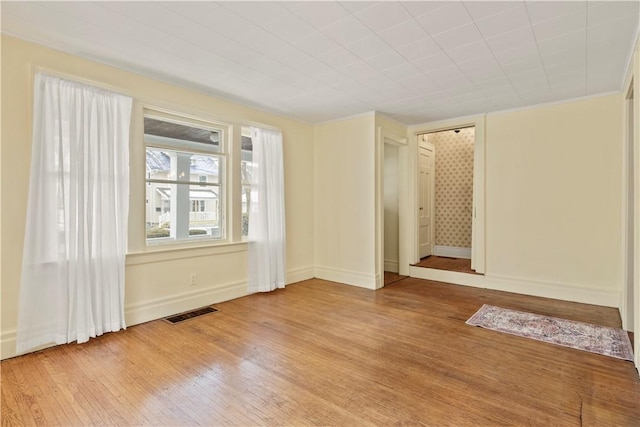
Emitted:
pixel 169 252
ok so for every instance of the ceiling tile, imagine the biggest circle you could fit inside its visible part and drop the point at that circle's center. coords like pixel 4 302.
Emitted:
pixel 417 8
pixel 367 47
pixel 457 37
pixel 617 35
pixel 482 9
pixel 517 54
pixel 315 43
pixel 433 62
pixel 564 23
pixel 445 18
pixel 338 57
pixel 383 15
pixel 573 41
pixel 316 13
pixel 356 6
pixel 471 51
pixel 481 68
pixel 561 62
pixel 404 33
pixel 540 11
pixel 511 40
pixel 402 70
pixel 608 11
pixel 346 30
pixel 311 67
pixel 419 83
pixel 494 85
pixel 258 12
pixel 289 55
pixel 536 74
pixel 386 60
pixel 358 70
pixel 288 27
pixel 447 75
pixel 532 62
pixel 419 49
pixel 333 77
pixel 260 40
pixel 504 22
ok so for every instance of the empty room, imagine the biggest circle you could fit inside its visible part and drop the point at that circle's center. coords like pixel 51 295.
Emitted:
pixel 320 213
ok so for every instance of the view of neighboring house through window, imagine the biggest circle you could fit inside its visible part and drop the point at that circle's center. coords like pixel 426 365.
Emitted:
pixel 185 180
pixel 246 169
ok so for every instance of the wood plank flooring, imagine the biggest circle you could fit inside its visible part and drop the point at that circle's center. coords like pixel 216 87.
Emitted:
pixel 324 353
pixel 461 265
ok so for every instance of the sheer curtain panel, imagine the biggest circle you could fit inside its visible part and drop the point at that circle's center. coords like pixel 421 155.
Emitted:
pixel 75 239
pixel 267 241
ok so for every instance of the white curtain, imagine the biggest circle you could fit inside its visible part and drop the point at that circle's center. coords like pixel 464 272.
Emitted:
pixel 75 239
pixel 266 218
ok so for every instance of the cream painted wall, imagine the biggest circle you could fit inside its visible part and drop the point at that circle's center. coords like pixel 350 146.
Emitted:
pixel 156 282
pixel 344 237
pixel 553 191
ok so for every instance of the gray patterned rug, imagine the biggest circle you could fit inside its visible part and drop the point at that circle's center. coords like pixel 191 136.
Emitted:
pixel 568 333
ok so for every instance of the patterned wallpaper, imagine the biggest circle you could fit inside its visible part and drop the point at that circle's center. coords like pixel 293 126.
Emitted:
pixel 454 186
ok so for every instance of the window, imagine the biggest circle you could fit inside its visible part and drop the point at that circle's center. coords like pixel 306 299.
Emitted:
pixel 197 206
pixel 246 168
pixel 185 178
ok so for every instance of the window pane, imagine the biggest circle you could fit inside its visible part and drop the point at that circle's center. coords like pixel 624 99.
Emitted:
pixel 181 212
pixel 172 165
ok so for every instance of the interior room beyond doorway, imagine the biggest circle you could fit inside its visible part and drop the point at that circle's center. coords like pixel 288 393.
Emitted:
pixel 452 201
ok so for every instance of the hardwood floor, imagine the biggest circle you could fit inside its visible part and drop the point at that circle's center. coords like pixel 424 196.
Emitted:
pixel 461 265
pixel 324 353
pixel 390 277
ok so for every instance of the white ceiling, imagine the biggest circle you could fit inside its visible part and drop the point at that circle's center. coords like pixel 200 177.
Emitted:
pixel 415 61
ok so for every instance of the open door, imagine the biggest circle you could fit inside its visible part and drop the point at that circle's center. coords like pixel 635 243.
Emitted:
pixel 426 207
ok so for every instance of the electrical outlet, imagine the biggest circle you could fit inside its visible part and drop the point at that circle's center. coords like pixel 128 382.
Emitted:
pixel 194 279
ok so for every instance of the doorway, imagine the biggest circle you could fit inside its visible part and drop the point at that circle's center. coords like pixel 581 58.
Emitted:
pixel 393 235
pixel 452 199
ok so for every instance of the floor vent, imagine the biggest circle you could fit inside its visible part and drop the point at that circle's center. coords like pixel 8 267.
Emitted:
pixel 190 315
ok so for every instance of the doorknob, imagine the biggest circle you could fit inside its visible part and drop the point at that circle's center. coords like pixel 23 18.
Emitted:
pixel 421 208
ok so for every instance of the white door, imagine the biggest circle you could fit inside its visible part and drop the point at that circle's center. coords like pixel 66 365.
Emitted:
pixel 426 208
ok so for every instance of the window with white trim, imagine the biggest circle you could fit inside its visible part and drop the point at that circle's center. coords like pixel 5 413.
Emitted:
pixel 185 179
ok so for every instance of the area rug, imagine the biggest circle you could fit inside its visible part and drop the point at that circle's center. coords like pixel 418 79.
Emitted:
pixel 568 333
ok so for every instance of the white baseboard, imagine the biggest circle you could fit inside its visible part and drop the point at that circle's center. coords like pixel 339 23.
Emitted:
pixel 177 303
pixel 299 274
pixel 452 252
pixel 7 344
pixel 391 265
pixel 347 277
pixel 545 289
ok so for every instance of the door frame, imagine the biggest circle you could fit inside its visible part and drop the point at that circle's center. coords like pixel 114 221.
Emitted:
pixel 404 202
pixel 478 246
pixel 628 321
pixel 631 87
